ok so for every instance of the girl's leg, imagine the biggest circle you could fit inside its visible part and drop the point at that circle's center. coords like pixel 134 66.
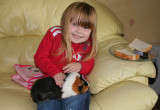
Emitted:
pixel 49 105
pixel 79 102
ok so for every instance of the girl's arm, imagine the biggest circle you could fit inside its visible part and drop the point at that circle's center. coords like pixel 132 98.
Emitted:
pixel 41 57
pixel 87 66
pixel 83 68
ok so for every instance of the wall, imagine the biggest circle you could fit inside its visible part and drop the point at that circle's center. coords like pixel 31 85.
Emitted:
pixel 141 18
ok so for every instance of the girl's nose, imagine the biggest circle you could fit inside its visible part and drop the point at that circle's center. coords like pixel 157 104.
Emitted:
pixel 79 29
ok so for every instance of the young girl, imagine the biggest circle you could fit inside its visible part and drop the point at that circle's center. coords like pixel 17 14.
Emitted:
pixel 70 47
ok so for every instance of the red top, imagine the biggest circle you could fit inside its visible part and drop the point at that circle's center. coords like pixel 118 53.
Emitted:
pixel 50 63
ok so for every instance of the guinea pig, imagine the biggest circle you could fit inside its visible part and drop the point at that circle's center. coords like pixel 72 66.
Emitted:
pixel 46 89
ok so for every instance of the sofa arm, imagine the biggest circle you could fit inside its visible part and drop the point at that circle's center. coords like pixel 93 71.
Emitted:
pixel 128 95
pixel 109 70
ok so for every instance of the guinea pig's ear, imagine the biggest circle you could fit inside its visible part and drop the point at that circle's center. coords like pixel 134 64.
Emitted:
pixel 80 83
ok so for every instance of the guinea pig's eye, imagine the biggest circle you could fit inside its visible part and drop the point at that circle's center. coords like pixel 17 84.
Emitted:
pixel 36 70
pixel 29 68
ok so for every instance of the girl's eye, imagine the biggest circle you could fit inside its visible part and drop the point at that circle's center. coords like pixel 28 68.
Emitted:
pixel 85 27
pixel 74 24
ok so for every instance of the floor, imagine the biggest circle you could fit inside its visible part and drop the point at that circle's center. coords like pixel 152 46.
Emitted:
pixel 157 106
pixel 154 84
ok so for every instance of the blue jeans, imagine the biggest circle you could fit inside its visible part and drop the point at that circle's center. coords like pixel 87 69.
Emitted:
pixel 78 102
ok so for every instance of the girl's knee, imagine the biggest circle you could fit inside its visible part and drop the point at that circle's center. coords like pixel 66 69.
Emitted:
pixel 48 105
pixel 83 97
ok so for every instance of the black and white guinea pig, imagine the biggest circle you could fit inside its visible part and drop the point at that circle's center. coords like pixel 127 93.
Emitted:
pixel 46 88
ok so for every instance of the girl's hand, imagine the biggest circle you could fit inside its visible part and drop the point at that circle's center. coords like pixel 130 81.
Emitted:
pixel 72 67
pixel 59 79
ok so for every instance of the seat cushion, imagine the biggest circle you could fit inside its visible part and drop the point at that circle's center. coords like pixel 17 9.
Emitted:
pixel 128 95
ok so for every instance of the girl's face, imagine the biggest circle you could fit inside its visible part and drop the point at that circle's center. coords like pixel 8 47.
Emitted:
pixel 77 33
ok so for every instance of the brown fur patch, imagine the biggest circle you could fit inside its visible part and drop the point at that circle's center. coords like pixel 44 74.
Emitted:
pixel 78 82
pixel 85 88
pixel 75 87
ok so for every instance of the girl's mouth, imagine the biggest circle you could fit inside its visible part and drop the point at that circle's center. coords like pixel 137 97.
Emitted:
pixel 76 36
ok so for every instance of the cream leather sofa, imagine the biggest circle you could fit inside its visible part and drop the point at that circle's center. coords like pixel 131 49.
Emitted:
pixel 116 84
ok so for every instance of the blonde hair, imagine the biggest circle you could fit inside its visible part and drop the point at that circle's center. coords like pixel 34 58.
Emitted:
pixel 86 17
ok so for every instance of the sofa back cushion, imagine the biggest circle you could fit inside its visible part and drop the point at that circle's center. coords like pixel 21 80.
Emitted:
pixel 23 23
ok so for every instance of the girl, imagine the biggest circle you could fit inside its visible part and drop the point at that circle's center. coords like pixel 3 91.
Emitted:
pixel 70 47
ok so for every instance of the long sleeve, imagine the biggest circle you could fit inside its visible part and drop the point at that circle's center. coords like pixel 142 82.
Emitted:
pixel 87 66
pixel 41 57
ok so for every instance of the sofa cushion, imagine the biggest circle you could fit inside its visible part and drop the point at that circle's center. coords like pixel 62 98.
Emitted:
pixel 34 17
pixel 17 50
